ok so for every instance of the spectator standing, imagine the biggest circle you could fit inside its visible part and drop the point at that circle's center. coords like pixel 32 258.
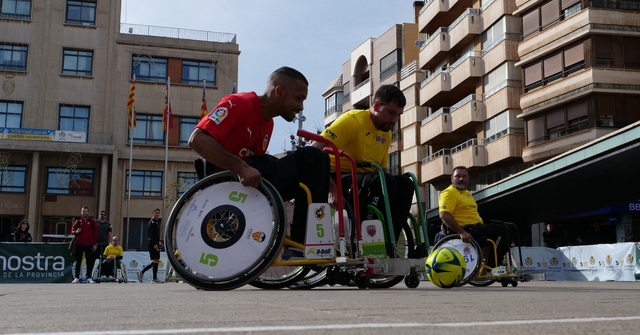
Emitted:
pixel 550 237
pixel 85 230
pixel 154 245
pixel 22 233
pixel 104 232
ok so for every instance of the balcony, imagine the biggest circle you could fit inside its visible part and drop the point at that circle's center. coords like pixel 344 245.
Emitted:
pixel 434 87
pixel 412 155
pixel 508 144
pixel 468 112
pixel 436 124
pixel 440 13
pixel 502 97
pixel 465 28
pixel 361 92
pixel 466 70
pixel 577 84
pixel 494 10
pixel 469 154
pixel 434 49
pixel 505 49
pixel 436 166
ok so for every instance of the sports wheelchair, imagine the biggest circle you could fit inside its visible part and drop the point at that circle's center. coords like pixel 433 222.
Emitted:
pixel 229 235
pixel 478 259
pixel 110 270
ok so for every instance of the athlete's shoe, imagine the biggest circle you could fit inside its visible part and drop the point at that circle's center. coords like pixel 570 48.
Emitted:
pixel 75 281
pixel 90 281
pixel 156 281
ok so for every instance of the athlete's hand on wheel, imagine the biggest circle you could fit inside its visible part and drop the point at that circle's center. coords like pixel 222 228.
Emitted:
pixel 250 177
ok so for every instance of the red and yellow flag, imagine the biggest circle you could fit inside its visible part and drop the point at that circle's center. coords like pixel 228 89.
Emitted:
pixel 167 110
pixel 131 106
pixel 203 109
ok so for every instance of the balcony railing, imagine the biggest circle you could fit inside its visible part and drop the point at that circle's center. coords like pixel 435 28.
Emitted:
pixel 186 34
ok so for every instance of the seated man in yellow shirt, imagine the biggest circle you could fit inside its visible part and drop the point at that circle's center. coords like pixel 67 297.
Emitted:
pixel 112 253
pixel 459 211
pixel 365 134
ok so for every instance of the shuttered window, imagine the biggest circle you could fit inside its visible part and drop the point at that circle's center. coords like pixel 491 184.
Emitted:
pixel 550 13
pixel 530 22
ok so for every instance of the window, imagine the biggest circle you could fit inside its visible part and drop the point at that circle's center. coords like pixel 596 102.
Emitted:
pixel 74 118
pixel 333 103
pixel 532 75
pixel 10 114
pixel 81 12
pixel 496 127
pixel 13 57
pixel 144 183
pixel 394 164
pixel 148 129
pixel 69 181
pixel 13 179
pixel 77 62
pixel 187 124
pixel 193 72
pixel 390 64
pixel 15 9
pixel 185 181
pixel 149 68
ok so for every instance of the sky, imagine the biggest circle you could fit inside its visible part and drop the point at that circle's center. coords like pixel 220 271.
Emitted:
pixel 314 37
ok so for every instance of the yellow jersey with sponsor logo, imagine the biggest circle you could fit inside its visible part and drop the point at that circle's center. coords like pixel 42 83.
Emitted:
pixel 461 205
pixel 354 133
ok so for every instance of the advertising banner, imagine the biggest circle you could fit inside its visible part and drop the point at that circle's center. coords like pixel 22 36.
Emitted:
pixel 35 263
pixel 600 262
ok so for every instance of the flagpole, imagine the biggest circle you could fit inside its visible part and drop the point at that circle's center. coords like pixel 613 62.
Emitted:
pixel 166 142
pixel 131 128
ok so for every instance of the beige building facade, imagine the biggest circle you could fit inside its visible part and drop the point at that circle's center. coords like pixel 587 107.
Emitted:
pixel 66 70
pixel 501 85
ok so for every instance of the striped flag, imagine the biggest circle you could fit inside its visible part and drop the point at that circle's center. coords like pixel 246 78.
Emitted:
pixel 203 108
pixel 167 110
pixel 131 106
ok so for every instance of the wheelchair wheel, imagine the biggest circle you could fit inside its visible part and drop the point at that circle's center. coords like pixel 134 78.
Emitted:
pixel 316 277
pixel 221 235
pixel 277 277
pixel 471 251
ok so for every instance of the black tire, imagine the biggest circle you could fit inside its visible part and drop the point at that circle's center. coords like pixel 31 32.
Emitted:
pixel 213 216
pixel 315 278
pixel 279 277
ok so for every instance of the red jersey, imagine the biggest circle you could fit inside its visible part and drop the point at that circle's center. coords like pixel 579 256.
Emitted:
pixel 238 125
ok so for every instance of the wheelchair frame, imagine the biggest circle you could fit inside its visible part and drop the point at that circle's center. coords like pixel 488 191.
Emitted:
pixel 118 276
pixel 481 274
pixel 217 231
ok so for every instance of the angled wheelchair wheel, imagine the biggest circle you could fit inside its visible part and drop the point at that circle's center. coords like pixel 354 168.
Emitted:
pixel 316 277
pixel 277 277
pixel 221 235
pixel 471 251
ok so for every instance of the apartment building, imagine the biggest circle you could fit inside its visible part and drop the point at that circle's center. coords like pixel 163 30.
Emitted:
pixel 67 70
pixel 501 85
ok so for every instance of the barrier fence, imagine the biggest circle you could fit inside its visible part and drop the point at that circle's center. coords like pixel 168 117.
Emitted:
pixel 41 262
